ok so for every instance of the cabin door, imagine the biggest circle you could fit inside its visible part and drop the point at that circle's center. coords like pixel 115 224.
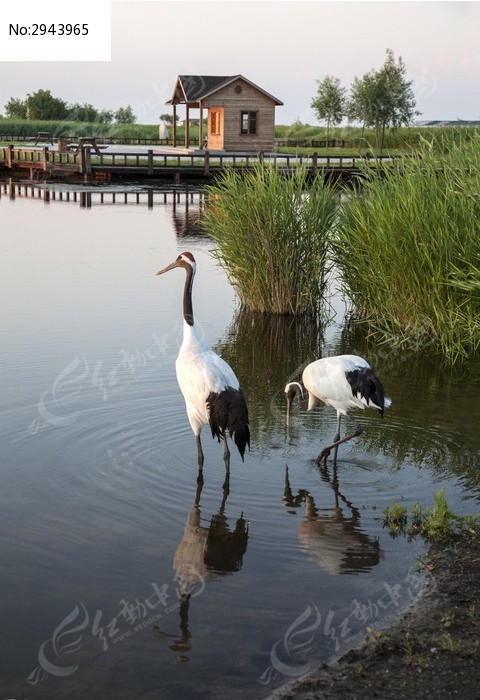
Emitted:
pixel 215 128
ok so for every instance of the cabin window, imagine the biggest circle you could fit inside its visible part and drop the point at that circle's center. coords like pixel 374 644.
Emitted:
pixel 215 123
pixel 248 123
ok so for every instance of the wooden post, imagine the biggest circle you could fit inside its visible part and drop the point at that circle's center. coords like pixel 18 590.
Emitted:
pixel 9 155
pixel 200 127
pixel 150 198
pixel 314 162
pixel 174 125
pixel 150 161
pixel 82 161
pixel 187 125
pixel 206 169
pixel 45 158
pixel 88 161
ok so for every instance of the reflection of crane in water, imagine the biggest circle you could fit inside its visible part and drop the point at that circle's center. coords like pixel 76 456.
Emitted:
pixel 205 553
pixel 332 539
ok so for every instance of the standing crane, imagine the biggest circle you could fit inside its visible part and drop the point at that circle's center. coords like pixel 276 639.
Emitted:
pixel 209 386
pixel 343 382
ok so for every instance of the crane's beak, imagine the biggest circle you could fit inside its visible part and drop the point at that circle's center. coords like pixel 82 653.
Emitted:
pixel 175 263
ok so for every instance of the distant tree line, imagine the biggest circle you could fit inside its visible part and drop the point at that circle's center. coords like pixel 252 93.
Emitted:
pixel 381 98
pixel 43 105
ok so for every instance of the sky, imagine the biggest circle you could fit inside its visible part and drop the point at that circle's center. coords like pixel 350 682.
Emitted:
pixel 283 46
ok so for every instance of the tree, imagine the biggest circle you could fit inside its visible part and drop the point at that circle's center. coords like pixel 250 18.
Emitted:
pixel 16 109
pixel 125 115
pixel 357 104
pixel 329 103
pixel 105 116
pixel 168 118
pixel 42 105
pixel 82 113
pixel 385 98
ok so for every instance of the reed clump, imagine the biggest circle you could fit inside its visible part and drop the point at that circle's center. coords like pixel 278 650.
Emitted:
pixel 408 247
pixel 272 236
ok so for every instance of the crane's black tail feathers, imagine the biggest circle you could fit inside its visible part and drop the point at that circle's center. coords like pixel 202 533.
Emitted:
pixel 228 411
pixel 366 384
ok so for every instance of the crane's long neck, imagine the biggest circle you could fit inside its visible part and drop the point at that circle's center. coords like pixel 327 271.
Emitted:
pixel 187 296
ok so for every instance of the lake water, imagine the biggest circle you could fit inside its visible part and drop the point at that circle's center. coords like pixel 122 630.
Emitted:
pixel 120 577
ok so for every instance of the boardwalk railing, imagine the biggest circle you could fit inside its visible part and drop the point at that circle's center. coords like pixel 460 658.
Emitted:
pixel 193 140
pixel 109 140
pixel 87 163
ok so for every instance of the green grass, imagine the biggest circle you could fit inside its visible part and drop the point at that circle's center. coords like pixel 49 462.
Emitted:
pixel 395 518
pixel 408 247
pixel 272 237
pixel 404 138
pixel 26 127
pixel 337 152
pixel 434 524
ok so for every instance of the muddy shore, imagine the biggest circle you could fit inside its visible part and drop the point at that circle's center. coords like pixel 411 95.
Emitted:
pixel 432 651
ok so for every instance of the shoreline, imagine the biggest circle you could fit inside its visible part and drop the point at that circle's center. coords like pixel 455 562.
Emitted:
pixel 431 650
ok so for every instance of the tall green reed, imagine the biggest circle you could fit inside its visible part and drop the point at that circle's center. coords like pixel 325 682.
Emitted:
pixel 272 236
pixel 408 247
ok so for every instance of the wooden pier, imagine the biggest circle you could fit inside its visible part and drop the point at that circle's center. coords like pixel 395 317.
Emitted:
pixel 105 166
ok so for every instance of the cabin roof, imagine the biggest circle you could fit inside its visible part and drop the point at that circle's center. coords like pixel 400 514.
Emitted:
pixel 192 88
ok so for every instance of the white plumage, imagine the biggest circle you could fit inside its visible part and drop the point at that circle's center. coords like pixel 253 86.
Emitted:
pixel 200 371
pixel 209 386
pixel 344 382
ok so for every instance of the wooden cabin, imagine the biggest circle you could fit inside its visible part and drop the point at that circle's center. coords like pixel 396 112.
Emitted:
pixel 240 114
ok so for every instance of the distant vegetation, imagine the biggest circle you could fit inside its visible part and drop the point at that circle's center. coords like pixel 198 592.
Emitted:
pixel 42 105
pixel 24 127
pixel 381 99
pixel 404 138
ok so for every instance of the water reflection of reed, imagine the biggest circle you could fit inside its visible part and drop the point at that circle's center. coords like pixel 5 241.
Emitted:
pixel 266 351
pixel 204 553
pixel 431 422
pixel 332 537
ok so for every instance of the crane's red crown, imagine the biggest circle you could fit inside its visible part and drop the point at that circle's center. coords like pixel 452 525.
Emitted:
pixel 188 255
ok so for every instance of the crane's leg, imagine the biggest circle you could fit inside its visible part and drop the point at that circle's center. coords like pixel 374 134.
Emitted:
pixel 226 459
pixel 200 453
pixel 326 450
pixel 337 435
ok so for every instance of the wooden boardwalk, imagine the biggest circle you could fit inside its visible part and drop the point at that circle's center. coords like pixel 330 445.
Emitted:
pixel 86 165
